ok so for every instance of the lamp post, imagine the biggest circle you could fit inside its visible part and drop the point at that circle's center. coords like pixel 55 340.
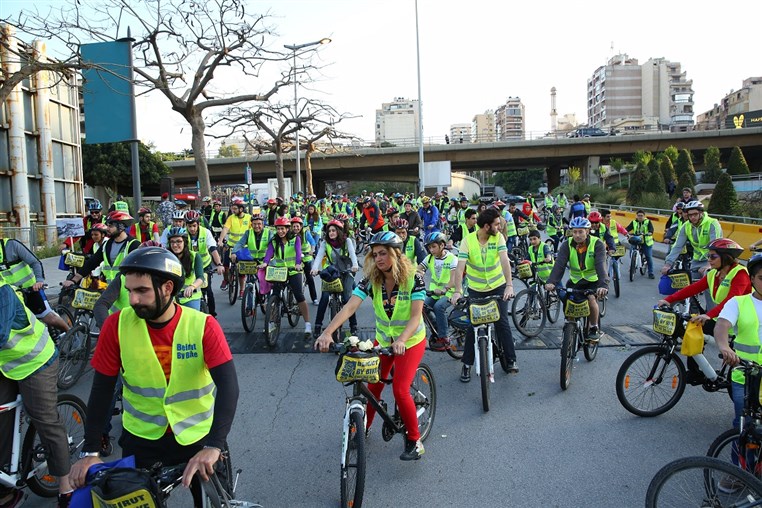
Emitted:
pixel 420 104
pixel 294 48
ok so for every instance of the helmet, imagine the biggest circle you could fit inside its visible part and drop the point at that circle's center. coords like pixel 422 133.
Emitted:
pixel 149 243
pixel 379 194
pixel 238 201
pixel 95 205
pixel 178 215
pixel 464 198
pixel 143 210
pixel 726 246
pixel 408 202
pixel 386 238
pixel 595 216
pixel 180 202
pixel 585 196
pixel 217 202
pixel 400 224
pixel 99 227
pixel 297 220
pixel 754 263
pixel 694 205
pixel 257 216
pixel 436 237
pixel 555 208
pixel 207 199
pixel 391 211
pixel 425 200
pixel 579 222
pixel 498 203
pixel 282 221
pixel 120 217
pixel 119 197
pixel 154 261
pixel 367 199
pixel 173 232
pixel 397 195
pixel 679 205
pixel 336 222
pixel 192 216
pixel 271 201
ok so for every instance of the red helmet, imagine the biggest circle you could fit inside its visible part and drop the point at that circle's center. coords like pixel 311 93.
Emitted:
pixel 400 224
pixel 726 246
pixel 342 217
pixel 498 203
pixel 192 216
pixel 271 201
pixel 100 227
pixel 217 202
pixel 595 216
pixel 238 201
pixel 282 221
pixel 336 222
pixel 297 220
pixel 143 211
pixel 117 216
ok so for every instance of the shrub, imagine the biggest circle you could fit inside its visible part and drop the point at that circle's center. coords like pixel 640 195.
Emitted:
pixel 671 153
pixel 724 199
pixel 655 183
pixel 638 185
pixel 667 170
pixel 658 200
pixel 653 165
pixel 683 181
pixel 712 169
pixel 685 165
pixel 737 163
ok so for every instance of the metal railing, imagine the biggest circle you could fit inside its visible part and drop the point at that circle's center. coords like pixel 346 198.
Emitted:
pixel 33 237
pixel 660 211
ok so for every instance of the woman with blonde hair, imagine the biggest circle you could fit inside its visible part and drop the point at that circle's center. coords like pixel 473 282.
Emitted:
pixel 397 293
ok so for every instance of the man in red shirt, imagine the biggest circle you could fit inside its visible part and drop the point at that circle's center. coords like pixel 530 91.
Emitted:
pixel 161 422
pixel 145 229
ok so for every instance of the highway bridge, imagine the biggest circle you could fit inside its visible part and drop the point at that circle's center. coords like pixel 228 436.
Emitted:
pixel 553 155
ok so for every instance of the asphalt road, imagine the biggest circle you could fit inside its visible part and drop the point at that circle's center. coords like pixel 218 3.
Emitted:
pixel 538 445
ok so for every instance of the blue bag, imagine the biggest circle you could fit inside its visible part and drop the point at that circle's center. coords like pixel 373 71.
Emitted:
pixel 81 497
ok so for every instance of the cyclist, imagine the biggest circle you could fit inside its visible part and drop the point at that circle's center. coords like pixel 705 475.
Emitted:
pixel 485 255
pixel 577 209
pixel 744 313
pixel 642 232
pixel 614 228
pixel 120 205
pixel 165 209
pixel 586 257
pixel 462 230
pixel 687 196
pixel 308 248
pixel 180 384
pixel 549 201
pixel 429 216
pixel 462 210
pixel 95 217
pixel 397 293
pixel 555 226
pixel 286 247
pixel 178 221
pixel 236 225
pixel 440 264
pixel 338 251
pixel 145 229
pixel 206 208
pixel 371 215
pixel 698 232
pixel 562 201
pixel 202 241
pixel 586 203
pixel 193 268
pixel 414 222
pixel 599 229
pixel 529 211
pixel 98 234
pixel 217 219
pixel 411 246
pixel 29 365
pixel 314 221
pixel 271 211
pixel 255 240
pixel 541 255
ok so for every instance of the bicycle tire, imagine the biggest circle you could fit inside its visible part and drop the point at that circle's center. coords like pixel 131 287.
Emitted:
pixel 73 414
pixel 292 308
pixel 552 306
pixel 568 353
pixel 643 263
pixel 353 470
pixel 423 389
pixel 602 307
pixel 615 278
pixel 272 320
pixel 484 371
pixel 634 388
pixel 248 309
pixel 528 313
pixel 334 306
pixel 232 285
pixel 694 481
pixel 65 314
pixel 749 459
pixel 590 349
pixel 632 266
pixel 74 352
pixel 457 343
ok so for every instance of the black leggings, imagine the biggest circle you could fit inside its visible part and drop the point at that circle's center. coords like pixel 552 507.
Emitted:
pixel 295 283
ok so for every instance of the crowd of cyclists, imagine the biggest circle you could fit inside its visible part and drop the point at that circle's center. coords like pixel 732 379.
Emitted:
pixel 157 277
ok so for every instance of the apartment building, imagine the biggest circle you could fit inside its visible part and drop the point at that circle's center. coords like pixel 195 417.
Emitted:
pixel 738 109
pixel 483 129
pixel 510 120
pixel 460 133
pixel 397 122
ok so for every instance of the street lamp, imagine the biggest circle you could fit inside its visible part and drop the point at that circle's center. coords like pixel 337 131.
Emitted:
pixel 295 48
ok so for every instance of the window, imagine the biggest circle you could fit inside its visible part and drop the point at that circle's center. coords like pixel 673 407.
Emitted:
pixel 32 159
pixel 29 120
pixel 34 195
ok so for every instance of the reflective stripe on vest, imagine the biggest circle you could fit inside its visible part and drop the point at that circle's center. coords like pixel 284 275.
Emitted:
pixel 641 229
pixel 441 280
pixel 124 298
pixel 190 279
pixel 286 254
pixel 537 256
pixel 483 274
pixel 258 251
pixel 27 349
pixel 16 273
pixel 388 329
pixel 186 403
pixel 111 270
pixel 724 287
pixel 241 226
pixel 149 232
pixel 747 344
pixel 699 237
pixel 200 246
pixel 576 272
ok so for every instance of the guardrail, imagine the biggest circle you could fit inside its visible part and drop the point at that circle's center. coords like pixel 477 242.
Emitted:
pixel 660 211
pixel 33 236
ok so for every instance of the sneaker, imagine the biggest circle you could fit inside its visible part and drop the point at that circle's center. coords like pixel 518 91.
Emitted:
pixel 650 276
pixel 314 302
pixel 107 447
pixel 465 374
pixel 513 367
pixel 64 500
pixel 729 485
pixel 440 344
pixel 413 450
pixel 594 335
pixel 17 499
pixel 224 286
pixel 307 330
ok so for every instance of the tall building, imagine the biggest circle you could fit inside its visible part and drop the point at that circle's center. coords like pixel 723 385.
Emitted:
pixel 667 95
pixel 460 133
pixel 510 120
pixel 614 91
pixel 738 109
pixel 483 128
pixel 397 122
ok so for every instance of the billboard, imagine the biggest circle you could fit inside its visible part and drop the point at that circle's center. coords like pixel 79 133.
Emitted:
pixel 744 120
pixel 437 174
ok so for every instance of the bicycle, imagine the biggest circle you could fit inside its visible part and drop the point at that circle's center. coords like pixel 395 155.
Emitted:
pixel 28 465
pixel 76 344
pixel 335 290
pixel 232 283
pixel 456 332
pixel 362 247
pixel 533 305
pixel 575 331
pixel 638 261
pixel 652 379
pixel 251 296
pixel 483 313
pixel 353 459
pixel 280 301
pixel 702 481
pixel 63 312
pixel 614 259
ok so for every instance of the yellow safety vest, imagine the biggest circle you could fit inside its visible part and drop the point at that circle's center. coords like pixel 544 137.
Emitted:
pixel 441 280
pixel 149 234
pixel 641 229
pixel 699 237
pixel 190 278
pixel 238 226
pixel 200 246
pixel 724 288
pixel 286 254
pixel 124 298
pixel 27 349
pixel 483 272
pixel 111 269
pixel 576 272
pixel 536 256
pixel 151 404
pixel 388 329
pixel 258 251
pixel 16 273
pixel 747 344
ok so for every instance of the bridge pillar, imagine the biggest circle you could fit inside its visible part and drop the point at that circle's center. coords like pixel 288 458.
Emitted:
pixel 553 176
pixel 590 169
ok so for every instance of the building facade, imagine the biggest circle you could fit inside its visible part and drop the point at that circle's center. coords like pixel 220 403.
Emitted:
pixel 510 120
pixel 483 128
pixel 460 133
pixel 667 95
pixel 397 122
pixel 738 109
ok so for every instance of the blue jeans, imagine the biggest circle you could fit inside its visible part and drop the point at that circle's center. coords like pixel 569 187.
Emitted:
pixel 440 311
pixel 502 328
pixel 510 242
pixel 737 392
pixel 193 304
pixel 648 249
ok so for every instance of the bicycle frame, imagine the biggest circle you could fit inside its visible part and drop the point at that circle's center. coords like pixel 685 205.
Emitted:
pixel 361 397
pixel 487 332
pixel 15 475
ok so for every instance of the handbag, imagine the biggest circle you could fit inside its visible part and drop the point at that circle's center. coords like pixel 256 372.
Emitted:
pixel 693 340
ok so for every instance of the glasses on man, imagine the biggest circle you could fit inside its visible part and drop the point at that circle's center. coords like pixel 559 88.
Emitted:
pixel 693 214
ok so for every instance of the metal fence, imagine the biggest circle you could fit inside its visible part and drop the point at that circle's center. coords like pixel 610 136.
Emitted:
pixel 36 237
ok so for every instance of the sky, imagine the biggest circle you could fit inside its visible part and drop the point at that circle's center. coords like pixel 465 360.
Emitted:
pixel 476 54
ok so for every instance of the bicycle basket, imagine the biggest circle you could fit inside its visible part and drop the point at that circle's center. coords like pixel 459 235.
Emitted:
pixel 524 270
pixel 334 286
pixel 574 309
pixel 276 274
pixel 122 486
pixel 620 251
pixel 482 314
pixel 72 259
pixel 84 299
pixel 665 323
pixel 680 280
pixel 358 366
pixel 522 231
pixel 248 267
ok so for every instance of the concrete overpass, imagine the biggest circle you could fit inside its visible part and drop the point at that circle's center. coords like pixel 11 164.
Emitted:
pixel 401 163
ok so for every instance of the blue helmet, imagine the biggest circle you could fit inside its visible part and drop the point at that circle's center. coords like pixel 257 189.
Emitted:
pixel 579 222
pixel 95 205
pixel 435 237
pixel 386 238
pixel 176 232
pixel 754 263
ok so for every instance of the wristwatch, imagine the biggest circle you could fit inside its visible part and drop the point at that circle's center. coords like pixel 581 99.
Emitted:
pixel 82 455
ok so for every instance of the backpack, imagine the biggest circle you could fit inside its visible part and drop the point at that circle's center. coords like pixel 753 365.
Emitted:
pixel 122 486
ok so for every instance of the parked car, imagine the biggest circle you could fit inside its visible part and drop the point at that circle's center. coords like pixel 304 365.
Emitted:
pixel 513 198
pixel 587 132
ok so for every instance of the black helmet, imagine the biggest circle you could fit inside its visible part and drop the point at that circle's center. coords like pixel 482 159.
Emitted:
pixel 386 238
pixel 154 261
pixel 754 264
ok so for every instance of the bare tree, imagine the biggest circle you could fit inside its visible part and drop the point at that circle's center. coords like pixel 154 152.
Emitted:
pixel 179 46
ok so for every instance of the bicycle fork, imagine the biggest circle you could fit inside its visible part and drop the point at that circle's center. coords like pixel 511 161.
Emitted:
pixel 352 406
pixel 481 334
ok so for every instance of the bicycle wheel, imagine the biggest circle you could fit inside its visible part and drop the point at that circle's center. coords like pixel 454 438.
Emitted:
pixel 424 392
pixel 73 415
pixel 650 381
pixel 590 349
pixel 633 268
pixel 552 306
pixel 74 352
pixel 602 306
pixel 65 314
pixel 726 447
pixel 643 262
pixel 484 363
pixel 232 285
pixel 334 306
pixel 353 466
pixel 528 313
pixel 457 343
pixel 292 308
pixel 568 353
pixel 703 481
pixel 248 309
pixel 272 320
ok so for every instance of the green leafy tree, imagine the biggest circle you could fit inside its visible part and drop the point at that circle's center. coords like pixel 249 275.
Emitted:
pixel 671 153
pixel 724 198
pixel 667 170
pixel 685 165
pixel 712 169
pixel 228 150
pixel 109 165
pixel 638 185
pixel 737 163
pixel 655 183
pixel 641 158
pixel 520 182
pixel 653 165
pixel 618 166
pixel 683 181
